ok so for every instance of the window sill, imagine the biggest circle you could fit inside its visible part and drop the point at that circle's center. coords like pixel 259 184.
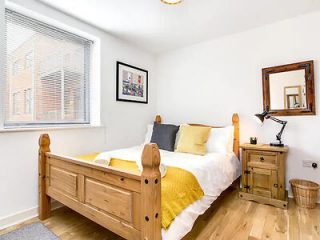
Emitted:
pixel 49 128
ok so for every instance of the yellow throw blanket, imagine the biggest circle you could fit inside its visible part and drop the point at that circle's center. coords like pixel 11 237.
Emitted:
pixel 179 188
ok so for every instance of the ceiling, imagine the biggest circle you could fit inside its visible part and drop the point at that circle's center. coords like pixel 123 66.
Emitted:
pixel 157 27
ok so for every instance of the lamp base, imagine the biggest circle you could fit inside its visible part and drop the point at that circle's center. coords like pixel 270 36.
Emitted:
pixel 277 144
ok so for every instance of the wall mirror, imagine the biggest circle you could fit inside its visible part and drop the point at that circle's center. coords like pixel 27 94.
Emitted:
pixel 289 89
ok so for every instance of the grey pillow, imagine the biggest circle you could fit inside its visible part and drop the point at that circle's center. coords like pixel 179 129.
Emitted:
pixel 164 135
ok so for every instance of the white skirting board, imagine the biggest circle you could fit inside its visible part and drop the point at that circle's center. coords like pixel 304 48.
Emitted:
pixel 24 215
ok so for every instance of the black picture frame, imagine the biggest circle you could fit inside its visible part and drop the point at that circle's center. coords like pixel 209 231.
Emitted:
pixel 119 84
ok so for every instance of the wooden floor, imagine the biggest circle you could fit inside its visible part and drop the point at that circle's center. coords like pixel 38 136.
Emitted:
pixel 228 218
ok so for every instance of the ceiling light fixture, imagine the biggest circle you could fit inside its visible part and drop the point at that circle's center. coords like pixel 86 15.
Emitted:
pixel 171 2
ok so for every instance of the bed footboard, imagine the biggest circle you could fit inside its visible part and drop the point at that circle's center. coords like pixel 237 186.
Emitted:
pixel 126 203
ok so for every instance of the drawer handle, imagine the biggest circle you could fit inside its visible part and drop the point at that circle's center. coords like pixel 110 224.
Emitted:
pixel 275 185
pixel 262 159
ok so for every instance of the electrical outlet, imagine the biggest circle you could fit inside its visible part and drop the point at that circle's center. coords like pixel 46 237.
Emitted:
pixel 310 164
pixel 307 163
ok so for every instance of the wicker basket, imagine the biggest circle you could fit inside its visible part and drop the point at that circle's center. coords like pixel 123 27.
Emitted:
pixel 305 192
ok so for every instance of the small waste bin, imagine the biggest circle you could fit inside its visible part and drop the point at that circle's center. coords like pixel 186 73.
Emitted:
pixel 305 192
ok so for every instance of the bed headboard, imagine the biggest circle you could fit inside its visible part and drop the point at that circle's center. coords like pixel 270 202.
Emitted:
pixel 235 123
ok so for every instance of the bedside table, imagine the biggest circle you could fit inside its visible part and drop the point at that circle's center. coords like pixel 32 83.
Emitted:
pixel 263 174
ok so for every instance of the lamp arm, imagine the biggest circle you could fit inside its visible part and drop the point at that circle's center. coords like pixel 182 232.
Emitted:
pixel 281 131
pixel 284 123
pixel 276 120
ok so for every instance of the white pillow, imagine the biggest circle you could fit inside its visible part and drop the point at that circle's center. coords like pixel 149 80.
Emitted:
pixel 220 140
pixel 147 138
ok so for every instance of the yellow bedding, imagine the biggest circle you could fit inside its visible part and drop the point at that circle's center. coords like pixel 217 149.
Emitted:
pixel 179 188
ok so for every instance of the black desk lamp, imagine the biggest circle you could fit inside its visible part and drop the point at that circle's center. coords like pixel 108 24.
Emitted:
pixel 265 115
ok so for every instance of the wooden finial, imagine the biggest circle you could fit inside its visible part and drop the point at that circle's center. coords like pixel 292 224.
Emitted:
pixel 44 199
pixel 236 139
pixel 44 143
pixel 158 119
pixel 151 157
pixel 151 193
pixel 235 118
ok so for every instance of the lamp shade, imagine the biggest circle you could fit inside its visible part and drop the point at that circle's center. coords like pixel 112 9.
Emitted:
pixel 261 116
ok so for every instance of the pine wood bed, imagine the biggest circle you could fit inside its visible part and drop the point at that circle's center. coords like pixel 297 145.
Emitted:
pixel 126 203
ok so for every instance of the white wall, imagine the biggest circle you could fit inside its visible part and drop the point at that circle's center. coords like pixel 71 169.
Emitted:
pixel 124 123
pixel 209 81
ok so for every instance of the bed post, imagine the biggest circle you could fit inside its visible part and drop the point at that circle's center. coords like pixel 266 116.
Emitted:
pixel 151 193
pixel 44 199
pixel 236 140
pixel 158 119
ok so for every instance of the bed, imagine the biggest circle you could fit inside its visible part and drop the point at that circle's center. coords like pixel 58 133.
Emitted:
pixel 128 202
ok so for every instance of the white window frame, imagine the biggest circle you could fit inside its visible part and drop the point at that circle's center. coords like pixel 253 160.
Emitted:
pixel 28 60
pixel 27 108
pixel 94 77
pixel 16 67
pixel 15 106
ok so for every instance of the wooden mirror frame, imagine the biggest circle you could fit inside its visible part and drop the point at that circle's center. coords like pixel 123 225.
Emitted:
pixel 310 98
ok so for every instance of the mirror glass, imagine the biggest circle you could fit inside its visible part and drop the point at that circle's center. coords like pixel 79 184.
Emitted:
pixel 288 90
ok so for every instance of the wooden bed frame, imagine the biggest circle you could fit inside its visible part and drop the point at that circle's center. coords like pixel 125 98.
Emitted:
pixel 124 202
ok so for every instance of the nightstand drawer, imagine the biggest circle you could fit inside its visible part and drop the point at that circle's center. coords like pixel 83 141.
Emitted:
pixel 262 157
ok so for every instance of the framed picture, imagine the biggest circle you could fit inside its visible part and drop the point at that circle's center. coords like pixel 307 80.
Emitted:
pixel 132 83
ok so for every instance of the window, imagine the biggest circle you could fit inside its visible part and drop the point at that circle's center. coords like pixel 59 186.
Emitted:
pixel 16 103
pixel 48 78
pixel 16 67
pixel 27 101
pixel 28 59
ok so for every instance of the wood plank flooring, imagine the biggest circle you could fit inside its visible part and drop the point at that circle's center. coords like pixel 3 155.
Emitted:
pixel 229 218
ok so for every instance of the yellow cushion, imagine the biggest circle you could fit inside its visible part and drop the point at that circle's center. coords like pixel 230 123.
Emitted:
pixel 193 139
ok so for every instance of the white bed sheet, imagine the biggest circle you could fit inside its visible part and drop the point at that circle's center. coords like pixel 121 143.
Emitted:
pixel 215 172
pixel 183 223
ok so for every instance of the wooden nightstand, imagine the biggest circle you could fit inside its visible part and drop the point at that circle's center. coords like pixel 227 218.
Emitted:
pixel 263 174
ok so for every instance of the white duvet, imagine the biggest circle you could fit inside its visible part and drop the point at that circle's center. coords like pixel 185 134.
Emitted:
pixel 215 172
